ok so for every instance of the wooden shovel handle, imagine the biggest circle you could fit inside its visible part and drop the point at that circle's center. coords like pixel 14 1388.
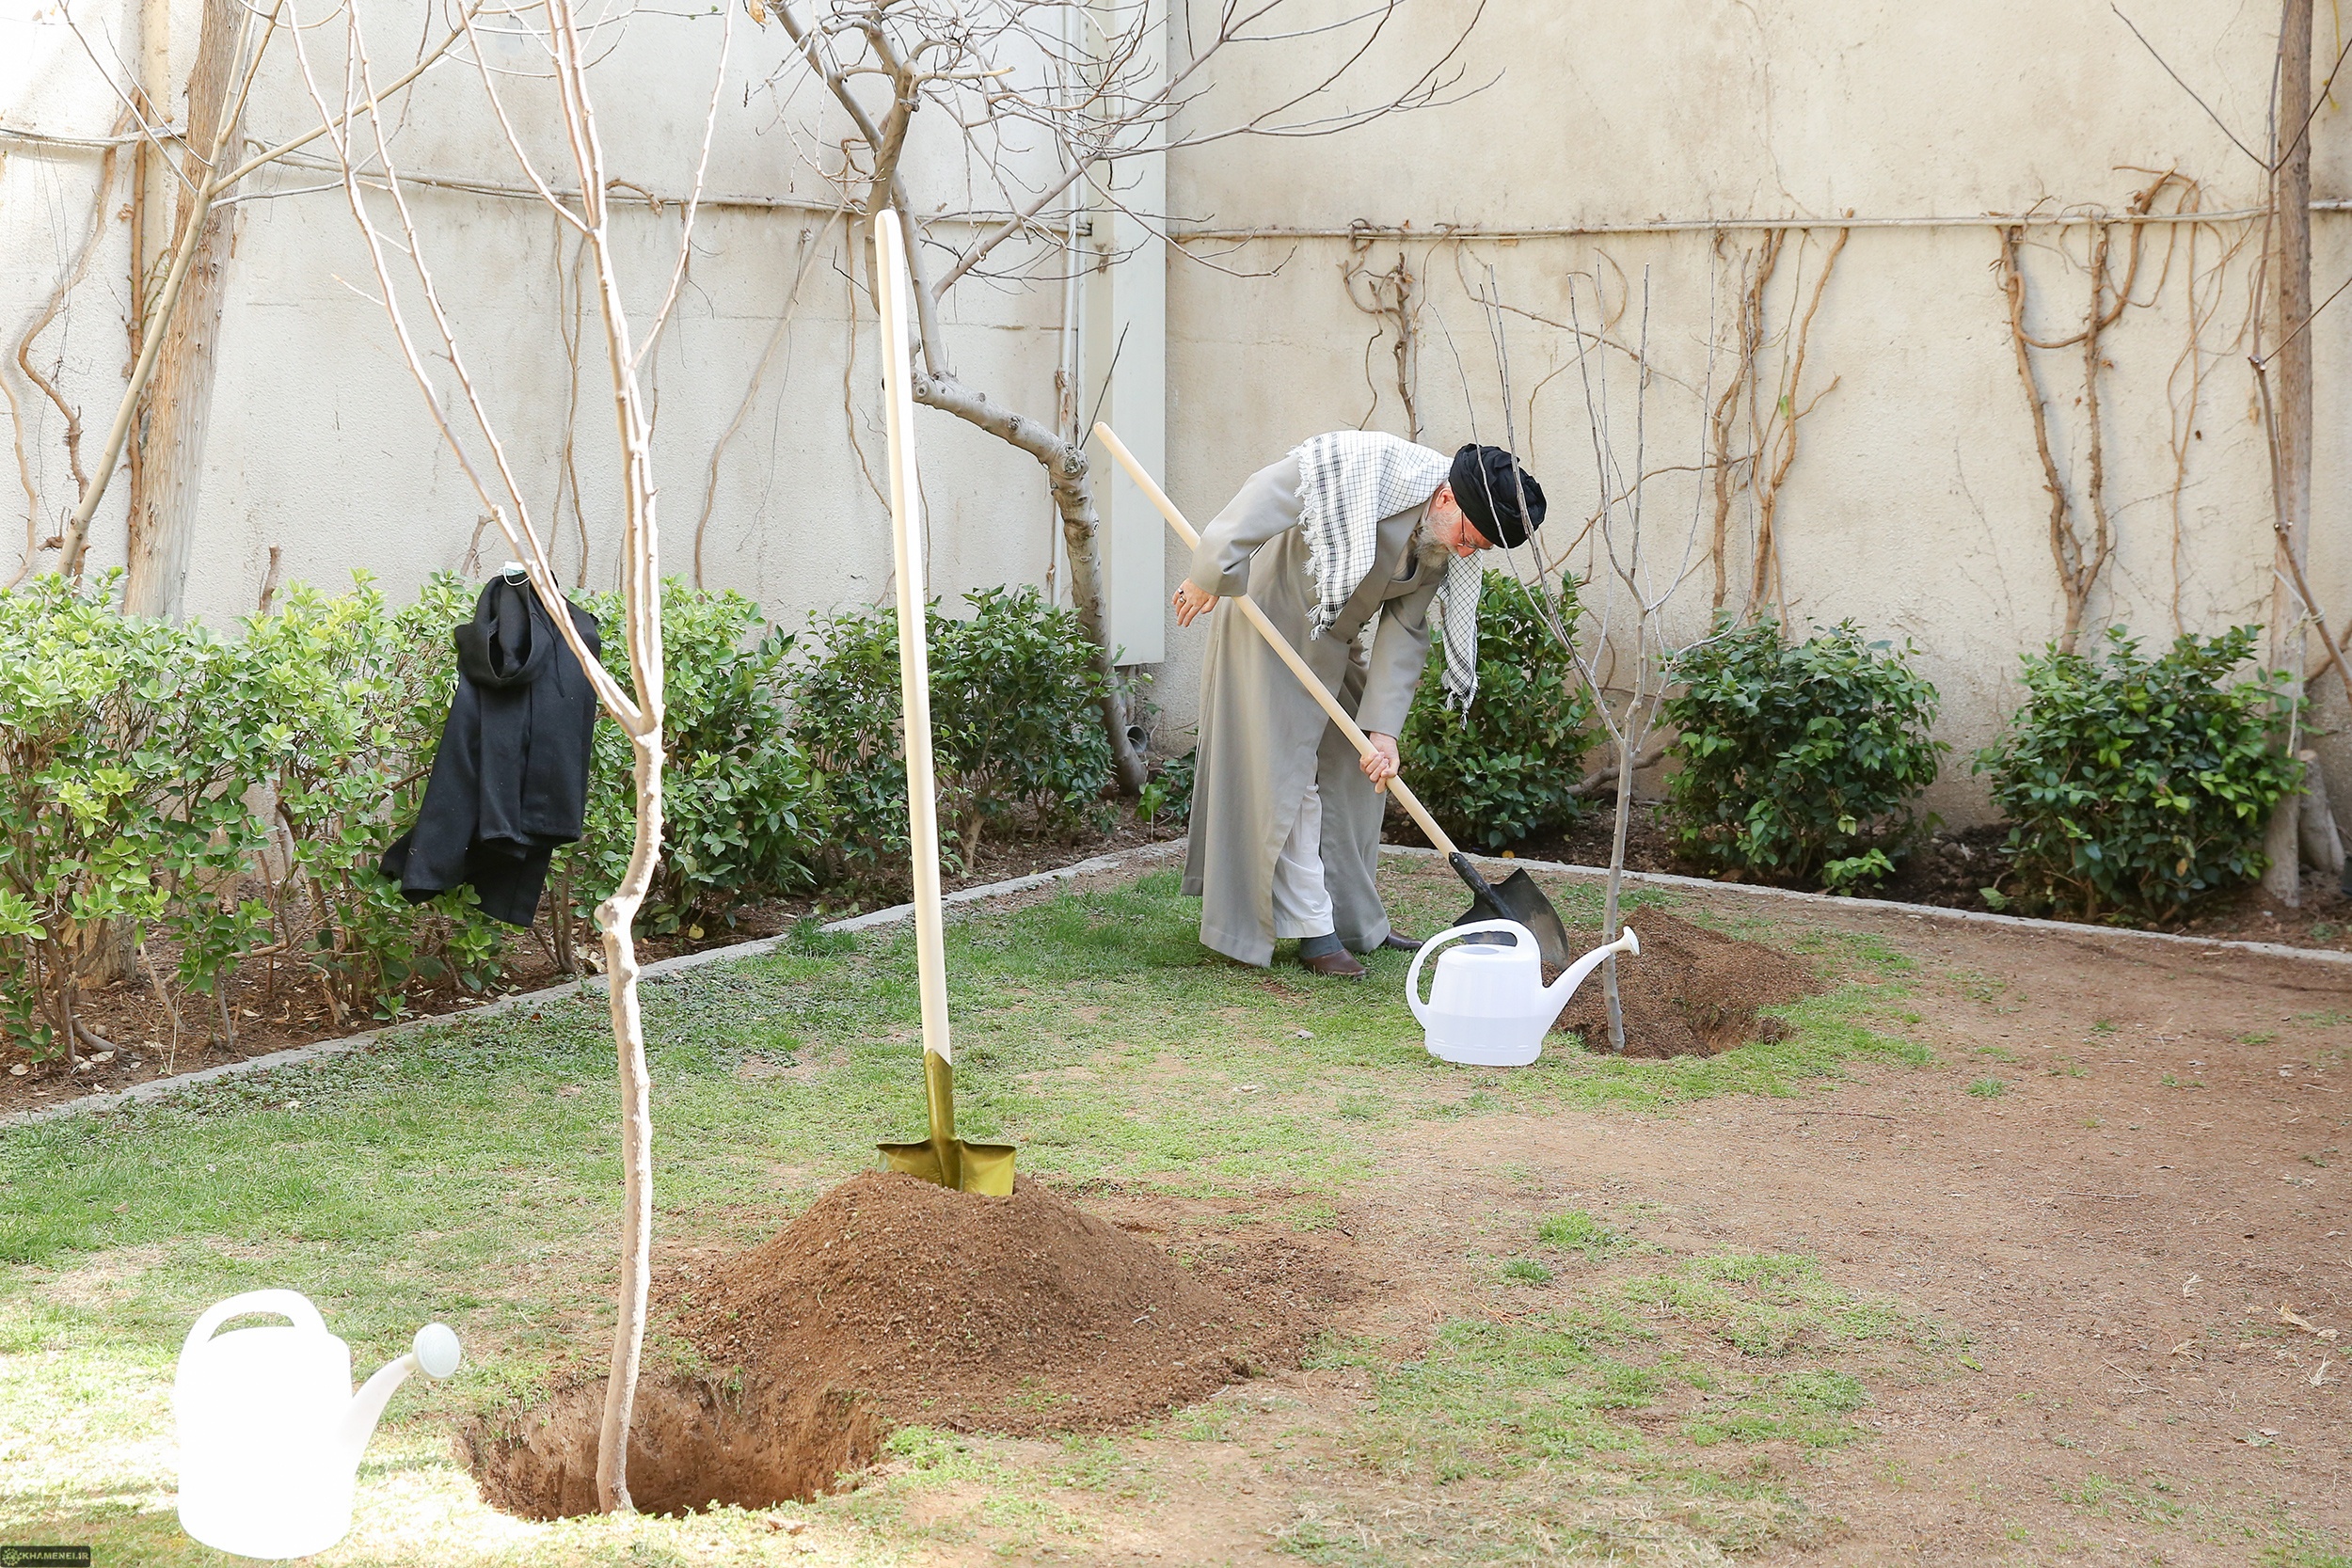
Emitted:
pixel 1279 644
pixel 892 287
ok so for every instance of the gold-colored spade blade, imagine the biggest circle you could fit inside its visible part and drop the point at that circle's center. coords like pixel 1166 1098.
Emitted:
pixel 943 1158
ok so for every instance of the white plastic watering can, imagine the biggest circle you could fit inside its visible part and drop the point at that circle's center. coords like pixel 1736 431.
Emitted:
pixel 270 1431
pixel 1488 1006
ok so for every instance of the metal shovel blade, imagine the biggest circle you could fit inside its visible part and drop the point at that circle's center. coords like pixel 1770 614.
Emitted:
pixel 1519 899
pixel 969 1167
pixel 943 1159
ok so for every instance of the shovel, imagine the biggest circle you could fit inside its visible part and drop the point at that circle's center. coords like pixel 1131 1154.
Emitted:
pixel 1519 899
pixel 942 1157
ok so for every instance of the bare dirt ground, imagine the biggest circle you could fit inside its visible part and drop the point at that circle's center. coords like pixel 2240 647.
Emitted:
pixel 2121 1238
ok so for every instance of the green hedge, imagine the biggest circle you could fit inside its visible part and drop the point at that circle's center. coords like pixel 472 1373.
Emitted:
pixel 1800 761
pixel 120 747
pixel 232 795
pixel 746 812
pixel 351 695
pixel 1016 724
pixel 1504 771
pixel 2138 785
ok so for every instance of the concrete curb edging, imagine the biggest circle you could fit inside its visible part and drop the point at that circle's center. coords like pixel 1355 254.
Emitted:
pixel 1928 912
pixel 159 1088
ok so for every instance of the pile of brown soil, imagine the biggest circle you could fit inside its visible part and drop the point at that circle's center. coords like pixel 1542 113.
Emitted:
pixel 894 1301
pixel 1693 993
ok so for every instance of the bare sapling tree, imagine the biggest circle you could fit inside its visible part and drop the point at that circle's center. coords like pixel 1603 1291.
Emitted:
pixel 349 103
pixel 1637 569
pixel 1042 99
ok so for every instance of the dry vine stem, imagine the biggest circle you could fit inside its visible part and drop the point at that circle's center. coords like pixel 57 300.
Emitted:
pixel 1771 422
pixel 2079 562
pixel 1778 439
pixel 1093 81
pixel 1387 297
pixel 2201 296
pixel 67 283
pixel 2080 559
pixel 638 710
pixel 811 245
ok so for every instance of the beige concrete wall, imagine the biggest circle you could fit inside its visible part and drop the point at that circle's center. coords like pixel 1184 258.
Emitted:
pixel 320 443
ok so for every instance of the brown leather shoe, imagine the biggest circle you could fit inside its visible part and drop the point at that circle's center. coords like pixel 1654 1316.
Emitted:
pixel 1398 944
pixel 1339 966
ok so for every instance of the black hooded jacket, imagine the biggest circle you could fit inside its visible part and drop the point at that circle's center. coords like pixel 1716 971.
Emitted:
pixel 510 783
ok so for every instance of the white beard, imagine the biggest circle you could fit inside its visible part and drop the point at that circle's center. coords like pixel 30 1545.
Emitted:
pixel 1428 551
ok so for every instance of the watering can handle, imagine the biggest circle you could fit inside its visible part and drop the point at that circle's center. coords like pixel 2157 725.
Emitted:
pixel 1412 975
pixel 286 1303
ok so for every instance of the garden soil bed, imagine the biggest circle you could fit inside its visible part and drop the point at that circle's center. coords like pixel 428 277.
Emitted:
pixel 1950 869
pixel 1693 993
pixel 273 1014
pixel 893 1301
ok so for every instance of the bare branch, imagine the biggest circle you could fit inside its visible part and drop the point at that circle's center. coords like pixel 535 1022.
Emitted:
pixel 694 195
pixel 506 128
pixel 66 284
pixel 750 389
pixel 2223 125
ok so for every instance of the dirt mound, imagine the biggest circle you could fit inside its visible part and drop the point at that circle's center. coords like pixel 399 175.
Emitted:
pixel 1693 993
pixel 894 1301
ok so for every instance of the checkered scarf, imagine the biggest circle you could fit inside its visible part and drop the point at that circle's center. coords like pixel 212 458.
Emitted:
pixel 1348 481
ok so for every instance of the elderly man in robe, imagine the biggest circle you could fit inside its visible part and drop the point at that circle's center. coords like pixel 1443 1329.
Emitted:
pixel 1285 817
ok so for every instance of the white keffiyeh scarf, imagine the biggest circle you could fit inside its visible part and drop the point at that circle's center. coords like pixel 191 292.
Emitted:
pixel 1348 481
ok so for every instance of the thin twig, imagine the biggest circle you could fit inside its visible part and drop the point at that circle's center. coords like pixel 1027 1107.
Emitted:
pixel 810 250
pixel 1875 1115
pixel 2235 142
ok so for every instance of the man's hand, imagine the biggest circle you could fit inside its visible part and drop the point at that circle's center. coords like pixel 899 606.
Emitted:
pixel 1189 602
pixel 1380 767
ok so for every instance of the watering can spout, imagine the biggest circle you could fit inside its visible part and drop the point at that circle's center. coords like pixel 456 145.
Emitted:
pixel 433 1351
pixel 1560 991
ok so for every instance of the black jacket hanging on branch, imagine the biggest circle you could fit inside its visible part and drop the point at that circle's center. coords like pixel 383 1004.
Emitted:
pixel 510 783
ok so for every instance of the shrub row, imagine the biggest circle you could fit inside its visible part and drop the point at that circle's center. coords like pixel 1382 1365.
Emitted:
pixel 231 795
pixel 2133 785
pixel 2136 784
pixel 1507 770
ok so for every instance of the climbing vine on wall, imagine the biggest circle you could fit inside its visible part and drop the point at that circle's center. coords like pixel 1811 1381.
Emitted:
pixel 2082 528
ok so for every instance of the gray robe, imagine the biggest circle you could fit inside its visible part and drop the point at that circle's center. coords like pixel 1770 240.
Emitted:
pixel 1263 739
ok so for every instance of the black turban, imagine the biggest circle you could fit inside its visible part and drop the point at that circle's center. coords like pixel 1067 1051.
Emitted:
pixel 1501 499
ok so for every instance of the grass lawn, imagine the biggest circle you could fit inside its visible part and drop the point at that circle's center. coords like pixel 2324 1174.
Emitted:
pixel 469 1172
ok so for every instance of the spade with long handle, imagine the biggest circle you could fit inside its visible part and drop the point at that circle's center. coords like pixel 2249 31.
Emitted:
pixel 942 1157
pixel 1519 899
